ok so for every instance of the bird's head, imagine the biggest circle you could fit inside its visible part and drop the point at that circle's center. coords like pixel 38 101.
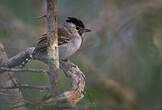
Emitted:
pixel 78 24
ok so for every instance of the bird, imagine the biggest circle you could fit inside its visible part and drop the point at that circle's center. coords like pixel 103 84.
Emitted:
pixel 70 39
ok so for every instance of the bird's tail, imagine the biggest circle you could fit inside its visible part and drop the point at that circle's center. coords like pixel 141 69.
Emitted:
pixel 27 59
pixel 41 47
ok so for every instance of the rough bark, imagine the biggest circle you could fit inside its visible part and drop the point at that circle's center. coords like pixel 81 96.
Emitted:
pixel 53 62
pixel 66 99
pixel 13 97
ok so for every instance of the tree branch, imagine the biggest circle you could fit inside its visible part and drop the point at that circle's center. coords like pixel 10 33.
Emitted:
pixel 53 57
pixel 25 86
pixel 23 70
pixel 9 96
pixel 67 98
pixel 51 18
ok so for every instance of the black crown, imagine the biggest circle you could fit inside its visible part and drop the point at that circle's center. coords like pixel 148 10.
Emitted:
pixel 76 21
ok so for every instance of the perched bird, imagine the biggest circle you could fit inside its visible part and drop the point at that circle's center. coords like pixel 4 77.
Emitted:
pixel 70 37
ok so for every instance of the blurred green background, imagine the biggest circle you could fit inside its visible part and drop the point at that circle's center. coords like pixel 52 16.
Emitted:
pixel 121 57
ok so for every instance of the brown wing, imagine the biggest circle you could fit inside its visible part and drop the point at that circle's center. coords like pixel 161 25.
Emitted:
pixel 63 37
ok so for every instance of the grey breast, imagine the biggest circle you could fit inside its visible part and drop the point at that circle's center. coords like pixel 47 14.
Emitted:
pixel 68 49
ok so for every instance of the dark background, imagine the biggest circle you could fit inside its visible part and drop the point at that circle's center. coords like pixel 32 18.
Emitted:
pixel 121 57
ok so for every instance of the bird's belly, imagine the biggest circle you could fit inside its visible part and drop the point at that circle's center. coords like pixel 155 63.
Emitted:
pixel 69 48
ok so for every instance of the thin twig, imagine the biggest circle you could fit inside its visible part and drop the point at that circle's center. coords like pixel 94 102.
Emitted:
pixel 24 70
pixel 40 17
pixel 12 79
pixel 1 93
pixel 25 86
pixel 17 106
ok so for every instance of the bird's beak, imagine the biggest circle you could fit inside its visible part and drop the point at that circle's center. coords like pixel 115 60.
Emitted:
pixel 87 30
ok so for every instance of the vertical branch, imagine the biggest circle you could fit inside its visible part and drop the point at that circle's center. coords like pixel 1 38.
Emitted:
pixel 53 62
pixel 52 32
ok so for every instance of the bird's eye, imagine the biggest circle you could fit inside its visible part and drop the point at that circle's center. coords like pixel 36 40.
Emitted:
pixel 77 27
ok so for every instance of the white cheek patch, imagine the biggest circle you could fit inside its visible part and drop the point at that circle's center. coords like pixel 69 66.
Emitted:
pixel 70 25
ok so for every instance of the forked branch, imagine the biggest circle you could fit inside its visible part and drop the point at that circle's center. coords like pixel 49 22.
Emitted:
pixel 68 98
